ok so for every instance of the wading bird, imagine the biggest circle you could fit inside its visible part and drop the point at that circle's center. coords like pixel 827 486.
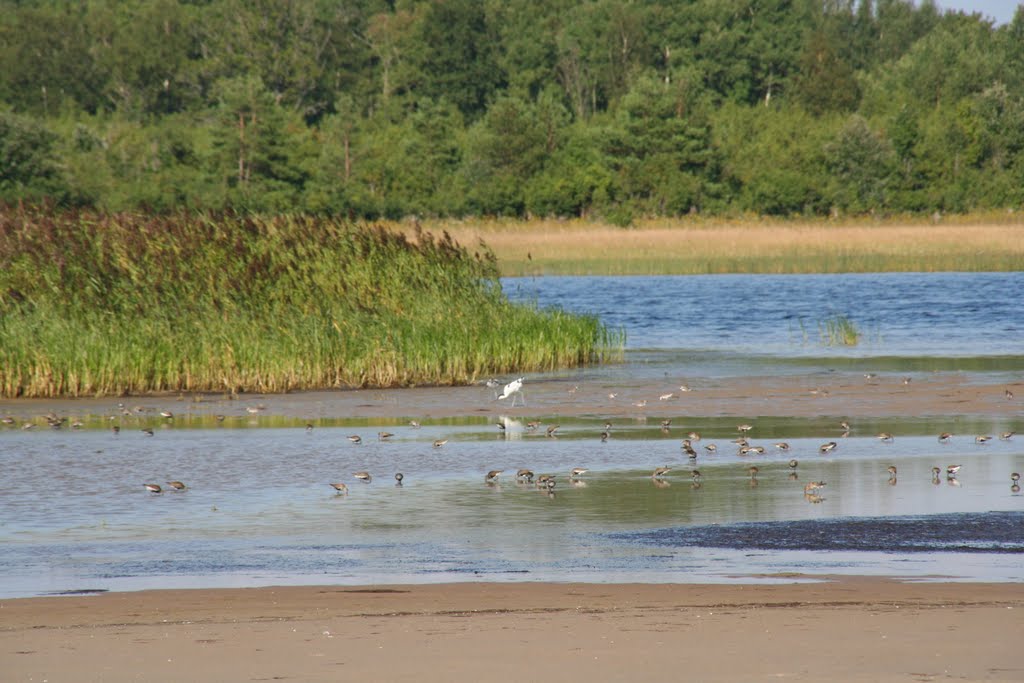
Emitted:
pixel 513 389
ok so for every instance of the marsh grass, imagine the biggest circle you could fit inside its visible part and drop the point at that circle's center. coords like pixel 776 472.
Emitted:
pixel 94 304
pixel 749 245
pixel 839 330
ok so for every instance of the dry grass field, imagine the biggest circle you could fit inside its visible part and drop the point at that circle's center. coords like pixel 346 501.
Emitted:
pixel 693 246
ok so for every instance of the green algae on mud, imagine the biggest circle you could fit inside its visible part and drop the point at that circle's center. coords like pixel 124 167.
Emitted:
pixel 104 304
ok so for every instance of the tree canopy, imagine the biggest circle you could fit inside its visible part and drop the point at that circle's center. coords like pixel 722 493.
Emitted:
pixel 611 108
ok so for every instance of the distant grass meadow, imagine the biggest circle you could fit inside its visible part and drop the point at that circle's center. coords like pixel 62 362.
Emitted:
pixel 107 304
pixel 750 245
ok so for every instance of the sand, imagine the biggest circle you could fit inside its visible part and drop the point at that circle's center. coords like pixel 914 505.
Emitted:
pixel 841 630
pixel 838 629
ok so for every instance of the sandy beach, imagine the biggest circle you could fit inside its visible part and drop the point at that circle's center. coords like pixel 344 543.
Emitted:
pixel 841 630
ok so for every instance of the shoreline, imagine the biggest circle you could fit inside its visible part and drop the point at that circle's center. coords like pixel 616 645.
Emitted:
pixel 846 629
pixel 848 394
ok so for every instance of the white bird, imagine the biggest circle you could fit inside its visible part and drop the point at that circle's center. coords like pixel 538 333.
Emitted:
pixel 513 389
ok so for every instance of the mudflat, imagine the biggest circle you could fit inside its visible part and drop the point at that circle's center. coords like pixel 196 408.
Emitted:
pixel 846 629
pixel 836 629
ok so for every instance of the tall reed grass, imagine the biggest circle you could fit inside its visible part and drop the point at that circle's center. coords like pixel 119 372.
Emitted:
pixel 839 330
pixel 95 304
pixel 693 246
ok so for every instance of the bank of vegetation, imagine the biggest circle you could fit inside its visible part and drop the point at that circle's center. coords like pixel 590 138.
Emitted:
pixel 99 304
pixel 451 108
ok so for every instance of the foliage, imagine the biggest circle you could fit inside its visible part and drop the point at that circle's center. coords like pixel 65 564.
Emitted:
pixel 463 108
pixel 94 304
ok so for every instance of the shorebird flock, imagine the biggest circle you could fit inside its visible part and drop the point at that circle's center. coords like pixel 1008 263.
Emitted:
pixel 691 446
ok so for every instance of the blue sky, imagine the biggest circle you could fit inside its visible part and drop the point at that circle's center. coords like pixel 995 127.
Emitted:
pixel 1000 10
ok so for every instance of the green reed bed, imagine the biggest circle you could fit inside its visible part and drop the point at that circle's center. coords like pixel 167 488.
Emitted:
pixel 94 304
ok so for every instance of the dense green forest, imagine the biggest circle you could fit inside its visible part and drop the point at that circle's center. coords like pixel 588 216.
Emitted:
pixel 605 108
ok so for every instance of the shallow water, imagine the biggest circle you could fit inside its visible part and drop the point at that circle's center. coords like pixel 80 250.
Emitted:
pixel 259 510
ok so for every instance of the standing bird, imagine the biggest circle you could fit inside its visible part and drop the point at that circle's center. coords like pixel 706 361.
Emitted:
pixel 885 437
pixel 153 488
pixel 982 439
pixel 812 486
pixel 492 476
pixel 513 389
pixel 753 470
pixel 827 447
pixel 782 446
pixel 355 438
pixel 710 448
pixel 340 488
pixel 951 470
pixel 398 478
pixel 793 464
pixel 660 472
pixel 578 472
pixel 440 442
pixel 383 436
pixel 944 437
pixel 363 477
pixel 525 475
pixel 552 429
pixel 176 485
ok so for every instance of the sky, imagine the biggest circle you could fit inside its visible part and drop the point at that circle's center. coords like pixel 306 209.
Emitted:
pixel 1000 10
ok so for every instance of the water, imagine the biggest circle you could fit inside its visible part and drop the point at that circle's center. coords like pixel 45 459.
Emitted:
pixel 259 509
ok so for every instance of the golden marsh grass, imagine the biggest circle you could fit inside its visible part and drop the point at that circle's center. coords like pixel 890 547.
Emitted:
pixel 684 247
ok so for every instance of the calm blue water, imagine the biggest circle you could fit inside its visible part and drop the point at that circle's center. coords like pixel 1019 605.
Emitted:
pixel 259 510
pixel 898 314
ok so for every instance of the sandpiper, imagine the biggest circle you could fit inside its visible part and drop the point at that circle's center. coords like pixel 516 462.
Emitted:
pixel 604 437
pixel 951 470
pixel 532 425
pixel 414 424
pixel 793 464
pixel 666 397
pixel 944 437
pixel 363 477
pixel 688 448
pixel 885 437
pixel 176 485
pixel 167 414
pixel 694 436
pixel 340 488
pixel 812 486
pixel 1009 395
pixel 753 470
pixel 741 441
pixel 982 439
pixel 660 472
pixel 891 469
pixel 116 430
pixel 744 428
pixel 936 471
pixel 1015 477
pixel 552 429
pixel 545 481
pixel 398 478
pixel 309 427
pixel 440 442
pixel 384 435
pixel 525 475
pixel 147 431
pixel 492 476
pixel 710 447
pixel 578 472
pixel 782 446
pixel 355 438
pixel 845 425
pixel 696 476
pixel 1005 436
pixel 665 424
pixel 827 447
pixel 153 488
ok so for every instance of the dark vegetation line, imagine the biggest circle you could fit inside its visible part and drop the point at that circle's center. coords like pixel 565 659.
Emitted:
pixel 100 304
pixel 604 108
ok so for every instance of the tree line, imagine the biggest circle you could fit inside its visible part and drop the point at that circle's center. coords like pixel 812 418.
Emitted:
pixel 605 108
